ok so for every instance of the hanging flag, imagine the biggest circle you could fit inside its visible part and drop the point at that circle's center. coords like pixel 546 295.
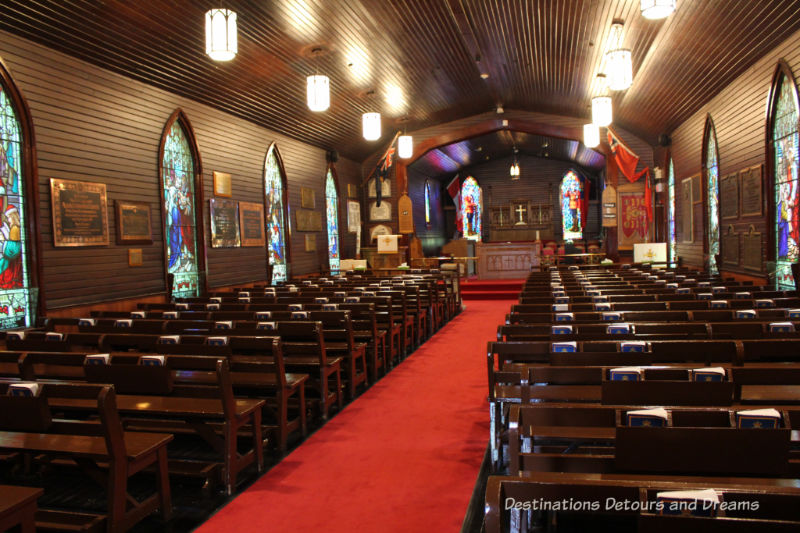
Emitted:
pixel 384 164
pixel 585 202
pixel 624 157
pixel 454 190
pixel 648 196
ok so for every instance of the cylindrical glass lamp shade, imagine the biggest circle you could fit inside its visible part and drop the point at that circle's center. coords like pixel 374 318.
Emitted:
pixel 601 111
pixel 221 43
pixel 657 9
pixel 620 69
pixel 591 135
pixel 371 124
pixel 318 93
pixel 405 146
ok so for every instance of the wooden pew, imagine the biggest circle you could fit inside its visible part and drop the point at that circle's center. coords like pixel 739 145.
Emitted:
pixel 18 508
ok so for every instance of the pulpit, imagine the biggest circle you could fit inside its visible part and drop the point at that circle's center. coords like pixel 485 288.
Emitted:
pixel 506 260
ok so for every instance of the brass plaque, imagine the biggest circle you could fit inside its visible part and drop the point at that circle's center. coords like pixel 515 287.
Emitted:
pixel 311 242
pixel 251 221
pixel 135 257
pixel 751 191
pixel 308 199
pixel 729 196
pixel 686 211
pixel 752 258
pixel 308 220
pixel 80 217
pixel 224 223
pixel 730 248
pixel 222 184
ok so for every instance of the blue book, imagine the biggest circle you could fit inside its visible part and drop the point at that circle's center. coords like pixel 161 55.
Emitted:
pixel 217 341
pixel 564 317
pixel 97 359
pixel 704 284
pixel 330 307
pixel 612 315
pixel 570 346
pixel 299 315
pixel 561 299
pixel 212 307
pixel 743 295
pixel 223 324
pixel 295 307
pixel 793 313
pixel 265 325
pixel 746 313
pixel 672 285
pixel 758 419
pixel 352 299
pixel 169 315
pixel 263 315
pixel 23 388
pixel 320 300
pixel 763 303
pixel 152 360
pixel 718 289
pixel 704 296
pixel 84 322
pixel 169 339
pixel 683 290
pixel 138 314
pixel 633 346
pixel 560 307
pixel 53 336
pixel 719 304
pixel 123 323
pixel 657 417
pixel 626 373
pixel 706 374
pixel 618 329
pixel 561 330
pixel 603 306
pixel 781 327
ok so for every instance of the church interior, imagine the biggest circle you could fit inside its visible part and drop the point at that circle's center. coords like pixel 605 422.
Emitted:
pixel 468 266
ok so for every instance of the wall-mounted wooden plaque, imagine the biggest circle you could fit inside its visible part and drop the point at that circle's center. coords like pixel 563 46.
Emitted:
pixel 751 191
pixel 251 221
pixel 752 258
pixel 133 223
pixel 222 184
pixel 224 223
pixel 686 211
pixel 729 196
pixel 308 199
pixel 311 242
pixel 609 202
pixel 730 247
pixel 352 191
pixel 308 220
pixel 135 257
pixel 80 215
pixel 405 216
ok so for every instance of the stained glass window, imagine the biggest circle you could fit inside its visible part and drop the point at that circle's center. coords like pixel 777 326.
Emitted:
pixel 785 146
pixel 427 203
pixel 673 242
pixel 712 174
pixel 471 208
pixel 332 210
pixel 276 229
pixel 178 169
pixel 571 197
pixel 15 302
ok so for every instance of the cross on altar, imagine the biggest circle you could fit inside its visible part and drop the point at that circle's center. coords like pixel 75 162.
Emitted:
pixel 520 212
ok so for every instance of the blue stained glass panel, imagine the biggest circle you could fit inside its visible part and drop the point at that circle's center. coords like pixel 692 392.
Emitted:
pixel 472 209
pixel 332 212
pixel 275 230
pixel 785 141
pixel 673 242
pixel 571 198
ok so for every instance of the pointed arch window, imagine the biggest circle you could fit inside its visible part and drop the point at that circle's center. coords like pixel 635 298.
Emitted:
pixel 18 297
pixel 275 212
pixel 332 212
pixel 427 203
pixel 711 166
pixel 571 202
pixel 784 143
pixel 180 167
pixel 673 243
pixel 472 208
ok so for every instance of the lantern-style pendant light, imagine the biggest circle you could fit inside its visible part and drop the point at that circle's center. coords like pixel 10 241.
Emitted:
pixel 371 126
pixel 591 135
pixel 657 9
pixel 221 43
pixel 601 111
pixel 318 92
pixel 405 146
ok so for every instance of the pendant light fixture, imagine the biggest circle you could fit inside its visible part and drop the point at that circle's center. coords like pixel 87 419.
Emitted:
pixel 619 66
pixel 514 170
pixel 371 123
pixel 318 88
pixel 657 9
pixel 221 40
pixel 601 104
pixel 591 135
pixel 405 146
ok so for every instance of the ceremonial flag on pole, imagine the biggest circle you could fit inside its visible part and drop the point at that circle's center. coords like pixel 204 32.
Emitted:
pixel 624 157
pixel 384 164
pixel 454 190
pixel 648 195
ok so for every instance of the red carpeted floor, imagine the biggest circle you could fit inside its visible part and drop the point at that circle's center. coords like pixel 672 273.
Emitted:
pixel 492 289
pixel 403 457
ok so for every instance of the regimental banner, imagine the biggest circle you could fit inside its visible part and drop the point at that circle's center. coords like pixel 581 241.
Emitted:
pixel 633 226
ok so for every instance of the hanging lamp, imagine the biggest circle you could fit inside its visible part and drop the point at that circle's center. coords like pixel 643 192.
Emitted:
pixel 221 40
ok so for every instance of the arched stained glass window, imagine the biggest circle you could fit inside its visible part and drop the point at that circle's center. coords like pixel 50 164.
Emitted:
pixel 471 208
pixel 712 192
pixel 274 210
pixel 571 199
pixel 332 211
pixel 673 243
pixel 427 203
pixel 178 168
pixel 15 299
pixel 784 139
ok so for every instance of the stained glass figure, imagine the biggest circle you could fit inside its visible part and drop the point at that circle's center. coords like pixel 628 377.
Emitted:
pixel 273 208
pixel 571 197
pixel 332 211
pixel 427 203
pixel 673 242
pixel 785 147
pixel 472 208
pixel 179 208
pixel 15 303
pixel 712 173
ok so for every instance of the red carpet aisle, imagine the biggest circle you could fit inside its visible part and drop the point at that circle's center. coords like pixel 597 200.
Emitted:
pixel 492 289
pixel 403 457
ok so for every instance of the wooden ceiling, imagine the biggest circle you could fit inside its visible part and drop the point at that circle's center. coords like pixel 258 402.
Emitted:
pixel 443 162
pixel 426 56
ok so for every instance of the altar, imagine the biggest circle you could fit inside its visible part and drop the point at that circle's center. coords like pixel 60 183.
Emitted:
pixel 507 260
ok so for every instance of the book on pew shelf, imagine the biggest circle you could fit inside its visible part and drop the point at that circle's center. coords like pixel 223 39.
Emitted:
pixel 652 278
pixel 793 313
pixel 269 290
pixel 97 359
pixel 688 502
pixel 569 346
pixel 53 336
pixel 661 282
pixel 212 307
pixel 320 300
pixel 322 279
pixel 565 317
pixel 683 290
pixel 742 295
pixel 672 285
pixel 680 277
pixel 263 315
pixel 602 306
pixel 718 289
pixel 215 300
pixel 765 302
pixel 368 294
pixel 669 275
pixel 299 315
pixel 169 315
pixel 655 417
pixel 24 388
pixel 611 315
pixel 781 327
pixel 719 304
pixel 169 339
pixel 758 419
pixel 626 373
pixel 560 307
pixel 561 299
pixel 621 328
pixel 138 314
pixel 265 325
pixel 244 294
pixel 294 289
pixel 704 295
pixel 561 330
pixel 306 282
pixel 559 293
pixel 340 294
pixel 352 300
pixel 574 267
pixel 689 280
pixel 295 307
pixel 704 284
pixel 330 307
pixel 123 323
pixel 713 373
pixel 593 292
pixel 223 324
pixel 746 313
pixel 85 322
pixel 217 341
pixel 244 299
pixel 152 360
pixel 182 307
pixel 556 285
pixel 329 283
pixel 633 346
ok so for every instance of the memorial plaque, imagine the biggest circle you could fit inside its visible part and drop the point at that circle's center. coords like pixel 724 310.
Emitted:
pixel 311 242
pixel 609 201
pixel 222 184
pixel 308 220
pixel 353 216
pixel 729 196
pixel 251 221
pixel 135 257
pixel 386 188
pixel 80 217
pixel 751 191
pixel 730 248
pixel 686 212
pixel 405 216
pixel 380 213
pixel 308 199
pixel 751 251
pixel 133 223
pixel 224 223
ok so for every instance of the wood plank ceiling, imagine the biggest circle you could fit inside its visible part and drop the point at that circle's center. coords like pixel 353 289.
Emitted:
pixel 422 58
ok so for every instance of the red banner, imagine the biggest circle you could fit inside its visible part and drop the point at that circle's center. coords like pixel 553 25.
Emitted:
pixel 633 215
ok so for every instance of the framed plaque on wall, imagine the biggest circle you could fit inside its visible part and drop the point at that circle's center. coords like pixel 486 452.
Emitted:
pixel 80 215
pixel 133 223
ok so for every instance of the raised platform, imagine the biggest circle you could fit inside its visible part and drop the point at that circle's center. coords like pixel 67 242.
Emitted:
pixel 500 289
